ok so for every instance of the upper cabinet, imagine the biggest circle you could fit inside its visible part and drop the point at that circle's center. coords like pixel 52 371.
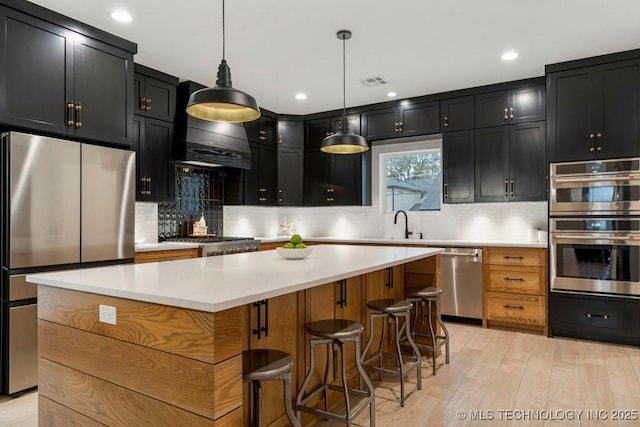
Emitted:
pixel 153 133
pixel 458 164
pixel 408 119
pixel 457 114
pixel 154 94
pixel 59 80
pixel 290 134
pixel 594 112
pixel 510 163
pixel 262 131
pixel 510 107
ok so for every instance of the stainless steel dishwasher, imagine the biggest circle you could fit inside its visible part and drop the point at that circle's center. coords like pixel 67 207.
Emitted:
pixel 461 282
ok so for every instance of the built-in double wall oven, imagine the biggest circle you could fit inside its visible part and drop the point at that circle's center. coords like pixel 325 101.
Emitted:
pixel 595 227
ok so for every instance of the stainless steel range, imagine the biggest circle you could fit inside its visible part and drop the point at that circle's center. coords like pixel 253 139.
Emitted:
pixel 214 246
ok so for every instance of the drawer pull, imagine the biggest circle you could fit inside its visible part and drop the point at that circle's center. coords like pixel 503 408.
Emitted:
pixel 511 279
pixel 507 257
pixel 518 307
pixel 604 316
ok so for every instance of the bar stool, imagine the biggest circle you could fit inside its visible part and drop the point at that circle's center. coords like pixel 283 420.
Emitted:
pixel 426 297
pixel 335 333
pixel 266 365
pixel 391 311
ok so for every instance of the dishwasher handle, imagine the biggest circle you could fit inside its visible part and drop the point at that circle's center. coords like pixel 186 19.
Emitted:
pixel 469 254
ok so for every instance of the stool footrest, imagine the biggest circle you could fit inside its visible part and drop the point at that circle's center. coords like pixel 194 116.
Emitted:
pixel 332 415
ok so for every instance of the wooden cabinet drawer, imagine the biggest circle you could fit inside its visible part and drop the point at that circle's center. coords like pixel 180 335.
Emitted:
pixel 524 280
pixel 524 309
pixel 166 255
pixel 515 256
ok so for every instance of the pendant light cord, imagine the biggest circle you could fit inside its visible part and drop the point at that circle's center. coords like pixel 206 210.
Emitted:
pixel 344 85
pixel 223 41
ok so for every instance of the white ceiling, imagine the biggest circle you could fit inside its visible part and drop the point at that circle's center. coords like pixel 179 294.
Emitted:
pixel 276 48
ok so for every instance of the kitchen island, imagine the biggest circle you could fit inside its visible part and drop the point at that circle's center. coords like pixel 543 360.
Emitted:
pixel 168 348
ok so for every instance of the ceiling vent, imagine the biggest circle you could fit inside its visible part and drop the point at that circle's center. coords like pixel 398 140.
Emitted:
pixel 373 81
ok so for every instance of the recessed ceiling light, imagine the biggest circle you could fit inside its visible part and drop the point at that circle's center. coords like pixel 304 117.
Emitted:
pixel 121 16
pixel 508 56
pixel 391 94
pixel 301 96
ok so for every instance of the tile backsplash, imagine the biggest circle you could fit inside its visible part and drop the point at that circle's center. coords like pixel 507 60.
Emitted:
pixel 197 193
pixel 475 221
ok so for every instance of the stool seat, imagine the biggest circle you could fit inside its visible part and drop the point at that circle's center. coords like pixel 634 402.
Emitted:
pixel 335 328
pixel 426 293
pixel 389 305
pixel 265 364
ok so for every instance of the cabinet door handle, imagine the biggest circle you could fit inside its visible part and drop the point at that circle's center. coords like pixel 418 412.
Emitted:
pixel 592 141
pixel 603 316
pixel 516 307
pixel 401 126
pixel 143 103
pixel 78 115
pixel 265 328
pixel 70 109
pixel 512 187
pixel 506 113
pixel 599 146
pixel 396 129
pixel 446 121
pixel 389 284
pixel 506 188
pixel 263 199
pixel 280 139
pixel 511 112
pixel 342 288
pixel 258 329
pixel 446 191
pixel 148 106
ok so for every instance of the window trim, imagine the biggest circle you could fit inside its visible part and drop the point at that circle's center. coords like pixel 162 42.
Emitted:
pixel 378 182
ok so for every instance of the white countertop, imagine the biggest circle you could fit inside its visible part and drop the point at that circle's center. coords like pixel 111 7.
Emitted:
pixel 164 246
pixel 217 283
pixel 391 241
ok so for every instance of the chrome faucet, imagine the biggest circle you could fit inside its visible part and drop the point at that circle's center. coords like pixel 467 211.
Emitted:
pixel 407 233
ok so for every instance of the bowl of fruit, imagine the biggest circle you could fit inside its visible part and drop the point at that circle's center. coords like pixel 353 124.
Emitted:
pixel 294 248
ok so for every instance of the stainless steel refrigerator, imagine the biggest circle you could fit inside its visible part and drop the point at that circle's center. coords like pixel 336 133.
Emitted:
pixel 64 205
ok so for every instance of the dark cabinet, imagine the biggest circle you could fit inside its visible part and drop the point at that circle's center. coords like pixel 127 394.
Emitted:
pixel 353 124
pixel 315 132
pixel 332 179
pixel 153 137
pixel 260 180
pixel 153 141
pixel 510 163
pixel 457 114
pixel 510 107
pixel 154 94
pixel 290 134
pixel 262 131
pixel 615 320
pixel 56 80
pixel 458 167
pixel 594 112
pixel 409 119
pixel 290 176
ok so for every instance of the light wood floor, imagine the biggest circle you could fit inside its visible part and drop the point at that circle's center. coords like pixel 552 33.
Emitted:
pixel 491 371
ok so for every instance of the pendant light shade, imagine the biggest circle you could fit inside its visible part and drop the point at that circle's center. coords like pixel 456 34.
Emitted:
pixel 223 103
pixel 344 142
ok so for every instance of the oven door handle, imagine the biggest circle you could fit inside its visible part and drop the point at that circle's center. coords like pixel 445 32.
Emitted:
pixel 596 179
pixel 615 238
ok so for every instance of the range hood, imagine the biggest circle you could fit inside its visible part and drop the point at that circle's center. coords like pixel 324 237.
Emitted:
pixel 208 144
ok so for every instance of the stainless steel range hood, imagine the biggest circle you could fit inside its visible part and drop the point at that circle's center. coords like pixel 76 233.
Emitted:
pixel 208 144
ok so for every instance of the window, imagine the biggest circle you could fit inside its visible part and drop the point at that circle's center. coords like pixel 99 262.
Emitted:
pixel 413 180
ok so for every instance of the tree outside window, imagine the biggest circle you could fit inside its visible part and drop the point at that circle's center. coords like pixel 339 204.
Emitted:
pixel 413 181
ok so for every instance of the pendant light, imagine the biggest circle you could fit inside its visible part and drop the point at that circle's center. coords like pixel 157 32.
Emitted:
pixel 344 142
pixel 223 103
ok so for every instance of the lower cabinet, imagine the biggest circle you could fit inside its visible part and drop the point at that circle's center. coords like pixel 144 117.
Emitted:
pixel 515 288
pixel 166 255
pixel 272 325
pixel 615 320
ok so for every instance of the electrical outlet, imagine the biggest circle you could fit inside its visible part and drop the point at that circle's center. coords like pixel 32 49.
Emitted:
pixel 108 314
